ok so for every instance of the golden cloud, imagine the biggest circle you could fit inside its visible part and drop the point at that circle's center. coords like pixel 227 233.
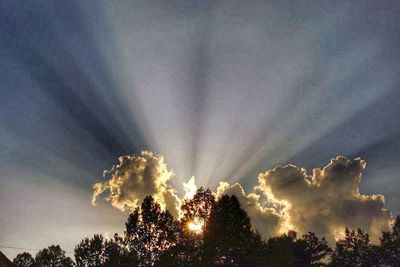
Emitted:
pixel 325 202
pixel 136 177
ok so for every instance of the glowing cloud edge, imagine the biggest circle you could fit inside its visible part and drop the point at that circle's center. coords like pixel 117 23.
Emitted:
pixel 285 198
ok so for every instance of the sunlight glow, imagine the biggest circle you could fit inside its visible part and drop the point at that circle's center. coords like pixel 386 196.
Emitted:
pixel 196 226
pixel 339 233
pixel 186 114
pixel 190 188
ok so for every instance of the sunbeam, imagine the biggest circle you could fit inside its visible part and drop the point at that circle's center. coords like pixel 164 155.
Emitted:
pixel 221 91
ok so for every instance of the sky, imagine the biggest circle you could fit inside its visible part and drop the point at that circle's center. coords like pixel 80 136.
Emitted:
pixel 223 90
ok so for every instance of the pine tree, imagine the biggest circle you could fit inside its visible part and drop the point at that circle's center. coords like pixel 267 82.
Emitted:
pixel 228 237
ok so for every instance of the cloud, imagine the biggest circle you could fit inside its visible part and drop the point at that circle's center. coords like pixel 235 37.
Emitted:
pixel 190 188
pixel 136 177
pixel 327 201
pixel 285 198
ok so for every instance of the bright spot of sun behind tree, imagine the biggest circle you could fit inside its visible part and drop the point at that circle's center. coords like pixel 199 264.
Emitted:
pixel 196 226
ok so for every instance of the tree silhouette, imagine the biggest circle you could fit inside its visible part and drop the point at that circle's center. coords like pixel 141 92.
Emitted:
pixel 199 207
pixel 179 256
pixel 116 253
pixel 189 249
pixel 354 250
pixel 90 252
pixel 281 250
pixel 153 238
pixel 24 260
pixel 288 250
pixel 311 251
pixel 149 232
pixel 132 226
pixel 228 237
pixel 390 245
pixel 53 256
pixel 98 251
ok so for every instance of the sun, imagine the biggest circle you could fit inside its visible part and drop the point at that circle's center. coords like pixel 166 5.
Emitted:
pixel 196 226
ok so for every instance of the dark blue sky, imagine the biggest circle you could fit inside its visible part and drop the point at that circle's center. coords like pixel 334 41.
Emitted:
pixel 222 89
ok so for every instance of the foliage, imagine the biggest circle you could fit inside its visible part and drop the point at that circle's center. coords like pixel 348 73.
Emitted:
pixel 199 206
pixel 281 250
pixel 53 256
pixel 390 245
pixel 90 252
pixel 189 249
pixel 24 260
pixel 149 232
pixel 312 251
pixel 226 238
pixel 354 250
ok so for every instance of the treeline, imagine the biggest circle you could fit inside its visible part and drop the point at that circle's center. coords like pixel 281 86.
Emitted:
pixel 215 233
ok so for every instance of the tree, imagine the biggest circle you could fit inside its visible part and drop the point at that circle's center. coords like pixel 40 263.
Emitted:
pixel 281 250
pixel 390 245
pixel 288 250
pixel 98 251
pixel 354 250
pixel 311 251
pixel 90 252
pixel 116 253
pixel 179 256
pixel 150 232
pixel 24 260
pixel 189 250
pixel 132 226
pixel 228 237
pixel 199 207
pixel 53 256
